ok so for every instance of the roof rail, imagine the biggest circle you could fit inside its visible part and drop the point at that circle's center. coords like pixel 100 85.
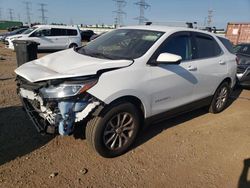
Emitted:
pixel 173 23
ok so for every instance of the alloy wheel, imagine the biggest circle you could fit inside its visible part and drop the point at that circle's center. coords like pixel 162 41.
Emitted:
pixel 118 131
pixel 221 98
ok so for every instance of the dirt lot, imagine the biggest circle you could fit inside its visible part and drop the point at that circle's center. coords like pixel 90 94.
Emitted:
pixel 196 149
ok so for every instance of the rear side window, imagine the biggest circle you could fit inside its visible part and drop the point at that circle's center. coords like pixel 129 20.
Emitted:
pixel 63 32
pixel 206 47
pixel 71 32
pixel 227 44
pixel 178 45
pixel 58 32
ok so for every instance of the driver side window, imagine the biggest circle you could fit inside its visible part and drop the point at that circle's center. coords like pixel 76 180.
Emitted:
pixel 42 33
pixel 178 45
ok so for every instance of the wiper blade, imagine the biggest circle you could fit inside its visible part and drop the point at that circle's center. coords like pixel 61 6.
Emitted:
pixel 97 54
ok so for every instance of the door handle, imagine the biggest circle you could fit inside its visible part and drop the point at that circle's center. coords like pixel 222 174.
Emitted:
pixel 192 68
pixel 222 62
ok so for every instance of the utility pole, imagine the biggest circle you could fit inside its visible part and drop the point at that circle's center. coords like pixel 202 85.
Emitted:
pixel 120 4
pixel 43 10
pixel 209 17
pixel 28 11
pixel 142 6
pixel 11 13
pixel 71 21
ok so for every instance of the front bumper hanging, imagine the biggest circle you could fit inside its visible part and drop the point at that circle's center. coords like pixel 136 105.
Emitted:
pixel 62 117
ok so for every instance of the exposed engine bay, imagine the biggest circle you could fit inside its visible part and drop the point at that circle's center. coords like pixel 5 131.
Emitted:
pixel 57 104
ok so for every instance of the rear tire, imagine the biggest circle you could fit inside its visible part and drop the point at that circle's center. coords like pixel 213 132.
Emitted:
pixel 220 98
pixel 73 45
pixel 113 132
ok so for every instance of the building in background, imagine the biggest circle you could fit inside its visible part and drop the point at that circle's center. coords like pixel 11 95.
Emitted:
pixel 4 25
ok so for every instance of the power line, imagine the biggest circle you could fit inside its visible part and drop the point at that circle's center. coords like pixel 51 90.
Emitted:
pixel 142 6
pixel 120 4
pixel 28 11
pixel 11 12
pixel 43 10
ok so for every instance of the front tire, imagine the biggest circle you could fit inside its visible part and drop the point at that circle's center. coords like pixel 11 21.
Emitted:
pixel 220 98
pixel 113 132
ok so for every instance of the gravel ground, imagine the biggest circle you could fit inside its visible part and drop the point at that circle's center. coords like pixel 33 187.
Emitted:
pixel 196 149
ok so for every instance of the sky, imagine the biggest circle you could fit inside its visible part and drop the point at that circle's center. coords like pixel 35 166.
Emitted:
pixel 102 11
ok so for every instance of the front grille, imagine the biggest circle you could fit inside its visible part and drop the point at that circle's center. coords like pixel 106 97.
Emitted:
pixel 39 123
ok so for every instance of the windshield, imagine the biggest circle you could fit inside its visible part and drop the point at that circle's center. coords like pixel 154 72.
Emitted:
pixel 28 31
pixel 121 44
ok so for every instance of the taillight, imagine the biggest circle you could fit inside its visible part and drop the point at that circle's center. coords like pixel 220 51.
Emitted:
pixel 237 60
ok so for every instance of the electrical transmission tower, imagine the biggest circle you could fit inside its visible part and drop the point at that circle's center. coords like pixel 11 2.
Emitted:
pixel 43 10
pixel 0 13
pixel 28 11
pixel 143 6
pixel 120 4
pixel 11 12
pixel 209 17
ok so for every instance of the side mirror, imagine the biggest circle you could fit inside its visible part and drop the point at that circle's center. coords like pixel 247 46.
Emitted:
pixel 167 58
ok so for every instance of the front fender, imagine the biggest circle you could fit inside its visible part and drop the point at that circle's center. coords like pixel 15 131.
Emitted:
pixel 126 93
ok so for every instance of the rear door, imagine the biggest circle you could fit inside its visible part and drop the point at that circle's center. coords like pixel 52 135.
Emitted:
pixel 59 38
pixel 210 63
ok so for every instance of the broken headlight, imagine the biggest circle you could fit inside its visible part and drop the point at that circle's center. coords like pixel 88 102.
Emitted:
pixel 66 89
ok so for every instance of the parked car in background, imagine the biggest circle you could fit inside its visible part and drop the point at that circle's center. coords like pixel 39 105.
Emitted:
pixel 15 32
pixel 243 69
pixel 96 36
pixel 124 79
pixel 50 37
pixel 17 27
pixel 86 35
pixel 14 37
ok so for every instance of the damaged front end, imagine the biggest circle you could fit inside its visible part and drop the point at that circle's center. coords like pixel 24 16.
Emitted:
pixel 56 105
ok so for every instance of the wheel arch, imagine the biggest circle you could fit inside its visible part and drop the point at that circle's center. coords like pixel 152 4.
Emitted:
pixel 72 44
pixel 228 80
pixel 131 99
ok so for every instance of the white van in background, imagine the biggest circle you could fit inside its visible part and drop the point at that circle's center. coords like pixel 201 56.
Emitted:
pixel 50 37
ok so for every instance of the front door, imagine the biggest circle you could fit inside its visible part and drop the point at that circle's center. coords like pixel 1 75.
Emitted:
pixel 173 84
pixel 42 36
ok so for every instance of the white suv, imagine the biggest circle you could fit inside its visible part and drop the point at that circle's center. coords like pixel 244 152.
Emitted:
pixel 124 79
pixel 49 37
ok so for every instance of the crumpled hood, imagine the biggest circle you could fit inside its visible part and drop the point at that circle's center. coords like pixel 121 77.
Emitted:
pixel 66 64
